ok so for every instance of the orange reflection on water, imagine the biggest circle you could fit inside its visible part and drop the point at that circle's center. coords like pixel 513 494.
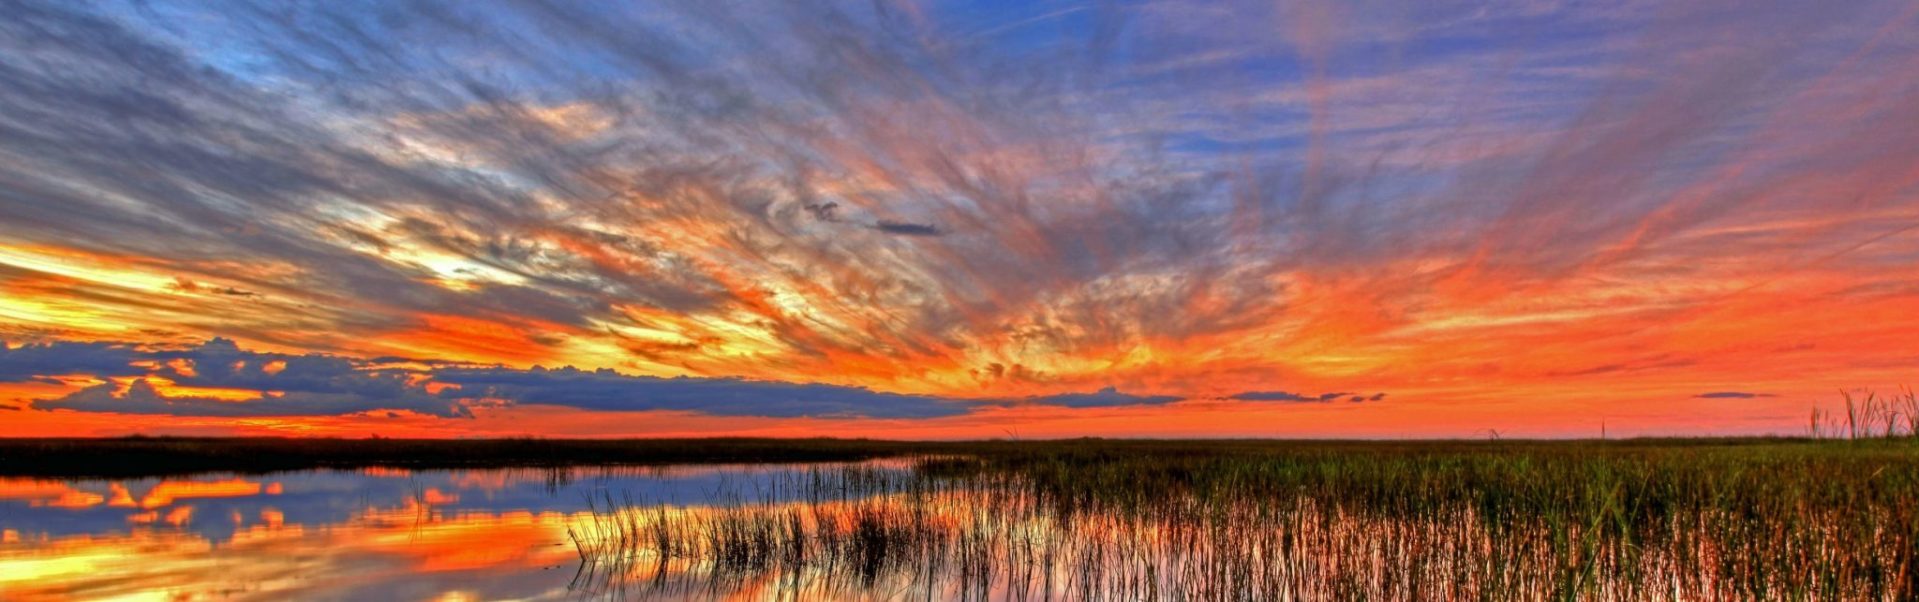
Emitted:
pixel 167 539
pixel 276 560
pixel 377 551
pixel 384 471
pixel 518 539
pixel 121 497
pixel 154 504
pixel 45 493
pixel 167 492
pixel 432 496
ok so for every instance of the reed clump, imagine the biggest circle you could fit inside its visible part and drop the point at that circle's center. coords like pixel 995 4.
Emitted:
pixel 1128 520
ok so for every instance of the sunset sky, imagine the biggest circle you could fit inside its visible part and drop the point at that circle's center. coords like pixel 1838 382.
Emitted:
pixel 1021 219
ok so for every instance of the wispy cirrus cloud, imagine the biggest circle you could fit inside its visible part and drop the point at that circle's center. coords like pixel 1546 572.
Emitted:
pixel 933 203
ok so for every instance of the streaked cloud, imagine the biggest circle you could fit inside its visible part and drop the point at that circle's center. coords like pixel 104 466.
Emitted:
pixel 887 210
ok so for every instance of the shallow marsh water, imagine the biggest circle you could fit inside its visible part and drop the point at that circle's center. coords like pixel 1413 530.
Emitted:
pixel 375 534
pixel 1076 521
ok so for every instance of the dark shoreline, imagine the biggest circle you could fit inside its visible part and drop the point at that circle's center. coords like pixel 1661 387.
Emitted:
pixel 172 456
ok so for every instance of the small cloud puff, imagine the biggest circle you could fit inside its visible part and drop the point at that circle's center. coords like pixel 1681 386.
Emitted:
pixel 1732 395
pixel 1104 398
pixel 1290 397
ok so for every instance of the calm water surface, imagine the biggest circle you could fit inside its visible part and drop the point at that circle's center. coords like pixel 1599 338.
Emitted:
pixel 375 534
pixel 879 531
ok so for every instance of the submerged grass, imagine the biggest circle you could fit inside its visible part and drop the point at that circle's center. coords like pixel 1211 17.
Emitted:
pixel 1747 519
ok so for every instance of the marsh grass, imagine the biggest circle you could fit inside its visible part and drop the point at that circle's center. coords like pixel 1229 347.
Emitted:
pixel 1100 520
pixel 1870 415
